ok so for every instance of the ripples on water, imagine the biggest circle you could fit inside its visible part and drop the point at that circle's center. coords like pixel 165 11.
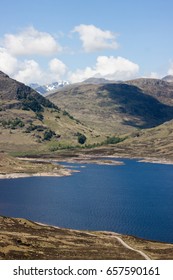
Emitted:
pixel 135 198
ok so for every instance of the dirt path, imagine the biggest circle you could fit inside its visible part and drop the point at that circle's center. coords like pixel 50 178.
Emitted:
pixel 114 235
pixel 131 248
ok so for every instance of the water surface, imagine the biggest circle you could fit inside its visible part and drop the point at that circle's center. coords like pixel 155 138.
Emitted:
pixel 135 198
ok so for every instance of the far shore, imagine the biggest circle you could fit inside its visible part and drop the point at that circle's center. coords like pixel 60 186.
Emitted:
pixel 81 159
pixel 143 159
pixel 159 161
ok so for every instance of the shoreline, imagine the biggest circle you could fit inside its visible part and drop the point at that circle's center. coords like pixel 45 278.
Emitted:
pixel 66 172
pixel 157 161
pixel 34 240
pixel 142 159
pixel 82 159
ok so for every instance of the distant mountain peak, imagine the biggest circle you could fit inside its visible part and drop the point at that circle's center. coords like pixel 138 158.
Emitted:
pixel 96 81
pixel 43 89
pixel 168 78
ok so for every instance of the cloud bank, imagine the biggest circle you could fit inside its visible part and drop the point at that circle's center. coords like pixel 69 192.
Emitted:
pixel 20 53
pixel 31 42
pixel 109 67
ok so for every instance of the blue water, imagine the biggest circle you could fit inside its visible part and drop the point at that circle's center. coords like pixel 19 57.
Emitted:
pixel 135 198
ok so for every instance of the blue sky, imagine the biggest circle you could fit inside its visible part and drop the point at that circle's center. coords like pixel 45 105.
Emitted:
pixel 48 40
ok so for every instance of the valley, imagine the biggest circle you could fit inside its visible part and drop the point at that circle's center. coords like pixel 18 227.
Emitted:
pixel 81 123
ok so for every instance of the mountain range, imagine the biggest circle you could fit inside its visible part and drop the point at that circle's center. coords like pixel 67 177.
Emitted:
pixel 121 119
pixel 116 108
pixel 52 87
pixel 139 111
pixel 42 89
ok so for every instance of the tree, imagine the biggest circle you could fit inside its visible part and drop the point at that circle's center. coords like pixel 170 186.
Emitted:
pixel 48 134
pixel 81 138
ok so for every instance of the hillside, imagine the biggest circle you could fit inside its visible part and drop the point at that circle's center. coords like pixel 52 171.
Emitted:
pixel 30 122
pixel 113 108
pixel 34 241
pixel 162 90
pixel 168 78
pixel 156 142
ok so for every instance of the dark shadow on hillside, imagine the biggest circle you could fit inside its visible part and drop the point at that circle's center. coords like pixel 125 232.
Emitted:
pixel 133 102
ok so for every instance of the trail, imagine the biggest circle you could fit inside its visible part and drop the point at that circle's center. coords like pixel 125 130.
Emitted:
pixel 113 235
pixel 131 248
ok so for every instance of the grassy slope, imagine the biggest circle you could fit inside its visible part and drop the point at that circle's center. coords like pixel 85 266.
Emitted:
pixel 155 142
pixel 16 139
pixel 36 115
pixel 112 108
pixel 162 90
pixel 22 239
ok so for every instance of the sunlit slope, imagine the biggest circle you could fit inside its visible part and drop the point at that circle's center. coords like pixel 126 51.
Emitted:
pixel 112 108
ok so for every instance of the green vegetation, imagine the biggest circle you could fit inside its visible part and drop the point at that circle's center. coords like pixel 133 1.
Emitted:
pixel 114 140
pixel 12 123
pixel 81 138
pixel 39 116
pixel 33 127
pixel 55 146
pixel 98 110
pixel 115 107
pixel 65 113
pixel 48 134
pixel 32 100
pixel 33 105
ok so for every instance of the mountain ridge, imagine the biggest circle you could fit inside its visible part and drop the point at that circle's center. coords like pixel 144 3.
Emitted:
pixel 30 121
pixel 168 78
pixel 43 89
pixel 157 88
pixel 118 107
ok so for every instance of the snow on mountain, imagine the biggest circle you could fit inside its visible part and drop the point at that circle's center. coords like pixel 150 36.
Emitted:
pixel 42 89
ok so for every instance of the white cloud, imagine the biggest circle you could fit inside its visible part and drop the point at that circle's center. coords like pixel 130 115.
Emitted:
pixel 31 42
pixel 57 67
pixel 95 39
pixel 154 75
pixel 112 68
pixel 29 72
pixel 8 63
pixel 170 71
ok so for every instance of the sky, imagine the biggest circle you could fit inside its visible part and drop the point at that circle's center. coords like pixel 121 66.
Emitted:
pixel 44 41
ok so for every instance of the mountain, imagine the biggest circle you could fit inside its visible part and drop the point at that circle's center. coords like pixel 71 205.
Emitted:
pixel 14 94
pixel 29 121
pixel 168 78
pixel 156 142
pixel 115 108
pixel 157 88
pixel 49 87
pixel 97 81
